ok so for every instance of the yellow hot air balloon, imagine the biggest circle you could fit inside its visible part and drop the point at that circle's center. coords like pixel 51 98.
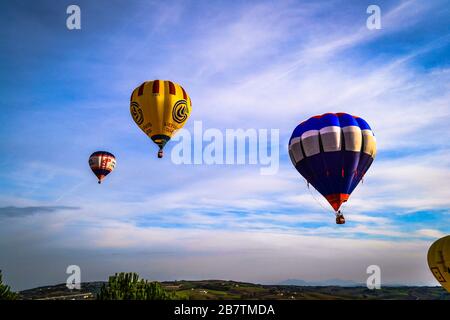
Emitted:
pixel 160 108
pixel 439 261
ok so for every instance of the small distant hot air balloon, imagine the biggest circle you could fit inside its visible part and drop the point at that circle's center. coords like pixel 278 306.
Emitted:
pixel 332 152
pixel 160 108
pixel 439 261
pixel 102 163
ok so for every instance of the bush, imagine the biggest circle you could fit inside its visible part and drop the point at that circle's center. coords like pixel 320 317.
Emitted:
pixel 5 291
pixel 128 286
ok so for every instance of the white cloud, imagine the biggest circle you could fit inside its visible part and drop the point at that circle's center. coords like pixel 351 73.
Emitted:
pixel 415 182
pixel 431 233
pixel 175 253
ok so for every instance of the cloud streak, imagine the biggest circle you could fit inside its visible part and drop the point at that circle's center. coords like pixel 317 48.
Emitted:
pixel 17 212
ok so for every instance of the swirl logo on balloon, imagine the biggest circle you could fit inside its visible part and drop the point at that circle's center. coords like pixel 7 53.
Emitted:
pixel 136 112
pixel 180 111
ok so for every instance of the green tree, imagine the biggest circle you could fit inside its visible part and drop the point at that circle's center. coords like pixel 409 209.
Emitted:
pixel 128 286
pixel 5 291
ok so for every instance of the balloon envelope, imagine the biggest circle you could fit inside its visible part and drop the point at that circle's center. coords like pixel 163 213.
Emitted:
pixel 332 152
pixel 102 163
pixel 439 261
pixel 160 108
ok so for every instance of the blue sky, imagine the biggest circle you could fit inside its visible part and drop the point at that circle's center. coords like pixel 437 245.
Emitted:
pixel 245 64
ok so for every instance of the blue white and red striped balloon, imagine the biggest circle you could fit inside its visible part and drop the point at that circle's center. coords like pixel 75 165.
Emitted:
pixel 332 152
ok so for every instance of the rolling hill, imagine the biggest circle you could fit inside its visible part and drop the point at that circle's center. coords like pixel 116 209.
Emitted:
pixel 221 289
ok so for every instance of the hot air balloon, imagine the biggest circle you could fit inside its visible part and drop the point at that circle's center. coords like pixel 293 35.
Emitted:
pixel 439 261
pixel 160 108
pixel 102 163
pixel 332 152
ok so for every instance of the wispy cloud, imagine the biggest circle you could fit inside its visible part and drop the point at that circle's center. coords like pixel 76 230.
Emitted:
pixel 26 211
pixel 431 233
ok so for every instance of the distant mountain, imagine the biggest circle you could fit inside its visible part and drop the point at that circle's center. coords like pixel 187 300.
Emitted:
pixel 324 283
pixel 294 282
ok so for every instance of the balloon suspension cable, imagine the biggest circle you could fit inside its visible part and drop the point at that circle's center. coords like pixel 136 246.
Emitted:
pixel 343 206
pixel 320 204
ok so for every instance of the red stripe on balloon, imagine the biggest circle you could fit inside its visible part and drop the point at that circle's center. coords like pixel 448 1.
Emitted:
pixel 184 93
pixel 141 89
pixel 155 88
pixel 171 87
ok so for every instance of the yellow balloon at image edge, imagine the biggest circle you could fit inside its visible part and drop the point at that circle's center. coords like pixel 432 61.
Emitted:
pixel 439 261
pixel 160 108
